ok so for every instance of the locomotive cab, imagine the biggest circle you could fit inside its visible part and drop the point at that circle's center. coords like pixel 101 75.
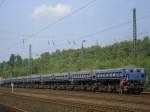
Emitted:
pixel 135 80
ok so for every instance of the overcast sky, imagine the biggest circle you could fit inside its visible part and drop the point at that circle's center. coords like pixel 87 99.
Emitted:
pixel 20 20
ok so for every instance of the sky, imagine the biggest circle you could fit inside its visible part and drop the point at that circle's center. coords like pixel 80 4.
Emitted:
pixel 40 23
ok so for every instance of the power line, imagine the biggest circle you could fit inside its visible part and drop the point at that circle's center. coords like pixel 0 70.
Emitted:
pixel 101 31
pixel 109 28
pixel 64 17
pixel 60 19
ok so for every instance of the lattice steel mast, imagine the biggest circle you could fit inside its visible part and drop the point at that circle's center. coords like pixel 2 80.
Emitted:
pixel 134 34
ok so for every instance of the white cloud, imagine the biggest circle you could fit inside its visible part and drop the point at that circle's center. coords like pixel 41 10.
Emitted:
pixel 49 11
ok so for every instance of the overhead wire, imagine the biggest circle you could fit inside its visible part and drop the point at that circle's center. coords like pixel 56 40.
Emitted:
pixel 108 29
pixel 80 38
pixel 87 35
pixel 104 30
pixel 59 20
pixel 111 28
pixel 62 18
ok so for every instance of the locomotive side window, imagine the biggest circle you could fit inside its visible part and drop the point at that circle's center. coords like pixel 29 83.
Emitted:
pixel 113 74
pixel 138 70
pixel 120 74
pixel 131 70
pixel 117 74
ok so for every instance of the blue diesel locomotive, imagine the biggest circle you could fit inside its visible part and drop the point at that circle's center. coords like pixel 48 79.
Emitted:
pixel 109 80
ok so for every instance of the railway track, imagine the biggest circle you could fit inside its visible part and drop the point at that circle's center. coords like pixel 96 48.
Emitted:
pixel 74 105
pixel 95 97
pixel 90 107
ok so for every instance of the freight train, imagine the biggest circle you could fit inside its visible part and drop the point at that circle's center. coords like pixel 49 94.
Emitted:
pixel 108 80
